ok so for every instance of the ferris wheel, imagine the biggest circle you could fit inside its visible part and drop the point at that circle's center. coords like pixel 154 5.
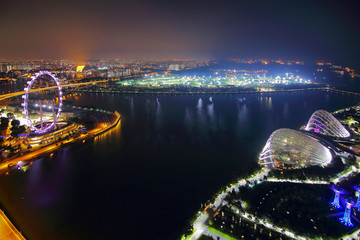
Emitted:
pixel 50 126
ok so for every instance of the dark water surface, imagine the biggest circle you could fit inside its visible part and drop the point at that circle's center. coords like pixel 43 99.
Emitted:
pixel 147 177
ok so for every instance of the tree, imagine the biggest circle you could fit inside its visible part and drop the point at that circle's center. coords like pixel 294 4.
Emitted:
pixel 14 132
pixel 22 129
pixel 16 129
pixel 10 115
pixel 4 123
pixel 15 123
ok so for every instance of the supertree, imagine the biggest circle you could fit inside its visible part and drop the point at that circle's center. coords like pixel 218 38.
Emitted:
pixel 346 219
pixel 336 203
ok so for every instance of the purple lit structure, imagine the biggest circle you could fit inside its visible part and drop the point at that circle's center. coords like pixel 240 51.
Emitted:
pixel 325 123
pixel 337 190
pixel 357 204
pixel 346 219
pixel 26 98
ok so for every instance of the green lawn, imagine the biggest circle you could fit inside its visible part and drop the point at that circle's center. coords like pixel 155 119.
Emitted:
pixel 221 233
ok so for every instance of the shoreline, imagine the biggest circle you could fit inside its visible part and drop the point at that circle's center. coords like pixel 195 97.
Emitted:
pixel 32 156
pixel 5 223
pixel 199 222
pixel 156 91
pixel 119 117
pixel 7 228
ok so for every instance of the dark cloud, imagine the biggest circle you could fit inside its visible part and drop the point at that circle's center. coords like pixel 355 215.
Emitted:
pixel 87 29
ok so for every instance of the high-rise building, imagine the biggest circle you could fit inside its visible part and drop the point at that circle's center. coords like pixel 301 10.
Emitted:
pixel 9 68
pixel 3 68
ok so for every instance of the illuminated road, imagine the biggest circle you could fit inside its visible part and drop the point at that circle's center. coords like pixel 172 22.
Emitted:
pixel 214 235
pixel 7 229
pixel 200 226
pixel 9 95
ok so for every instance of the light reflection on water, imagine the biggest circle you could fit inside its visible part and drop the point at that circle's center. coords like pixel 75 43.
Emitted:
pixel 211 115
pixel 162 153
pixel 269 103
pixel 158 119
pixel 242 113
pixel 109 136
pixel 286 110
pixel 44 183
pixel 132 107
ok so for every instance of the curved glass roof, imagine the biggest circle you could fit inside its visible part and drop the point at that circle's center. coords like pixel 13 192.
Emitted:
pixel 290 149
pixel 325 123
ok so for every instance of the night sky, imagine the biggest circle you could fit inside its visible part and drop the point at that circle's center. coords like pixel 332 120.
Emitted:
pixel 188 28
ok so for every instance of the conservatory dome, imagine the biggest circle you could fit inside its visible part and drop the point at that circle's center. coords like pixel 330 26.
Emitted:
pixel 290 149
pixel 325 123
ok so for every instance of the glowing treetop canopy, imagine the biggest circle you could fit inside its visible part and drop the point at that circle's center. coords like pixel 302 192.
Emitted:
pixel 290 149
pixel 325 123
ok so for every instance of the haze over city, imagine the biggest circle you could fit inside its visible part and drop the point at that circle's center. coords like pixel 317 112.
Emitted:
pixel 79 29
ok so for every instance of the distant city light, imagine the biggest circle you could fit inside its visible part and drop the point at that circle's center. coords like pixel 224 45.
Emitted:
pixel 80 68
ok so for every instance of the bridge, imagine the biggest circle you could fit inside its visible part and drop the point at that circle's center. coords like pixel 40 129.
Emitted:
pixel 15 94
pixel 344 92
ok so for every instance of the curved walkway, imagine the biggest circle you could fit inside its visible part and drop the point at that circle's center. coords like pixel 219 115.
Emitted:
pixel 7 229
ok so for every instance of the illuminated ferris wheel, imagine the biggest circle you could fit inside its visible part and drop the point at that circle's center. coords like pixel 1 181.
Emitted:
pixel 50 126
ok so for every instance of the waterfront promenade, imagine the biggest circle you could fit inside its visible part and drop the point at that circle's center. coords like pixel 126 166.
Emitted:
pixel 8 230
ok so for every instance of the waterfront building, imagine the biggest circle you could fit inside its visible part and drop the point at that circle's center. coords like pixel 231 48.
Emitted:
pixel 63 130
pixel 3 68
